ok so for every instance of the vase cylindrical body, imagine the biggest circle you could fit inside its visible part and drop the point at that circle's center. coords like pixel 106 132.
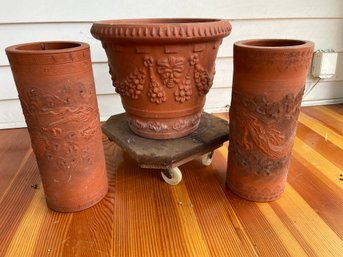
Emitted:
pixel 268 84
pixel 162 69
pixel 56 89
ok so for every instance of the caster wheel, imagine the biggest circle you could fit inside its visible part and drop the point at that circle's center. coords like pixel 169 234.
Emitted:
pixel 206 159
pixel 172 176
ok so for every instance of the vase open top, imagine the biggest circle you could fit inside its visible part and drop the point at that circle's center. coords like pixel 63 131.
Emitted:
pixel 273 44
pixel 47 53
pixel 47 47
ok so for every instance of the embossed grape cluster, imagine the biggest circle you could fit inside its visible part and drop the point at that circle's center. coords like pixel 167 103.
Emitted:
pixel 202 79
pixel 133 85
pixel 156 94
pixel 184 92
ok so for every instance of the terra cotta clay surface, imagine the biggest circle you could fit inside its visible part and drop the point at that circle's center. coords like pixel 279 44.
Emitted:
pixel 268 85
pixel 57 94
pixel 162 69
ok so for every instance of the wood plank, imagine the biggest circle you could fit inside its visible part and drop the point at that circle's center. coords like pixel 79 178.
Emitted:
pixel 262 234
pixel 133 9
pixel 328 204
pixel 242 29
pixel 218 222
pixel 309 224
pixel 289 224
pixel 338 108
pixel 294 246
pixel 331 119
pixel 29 227
pixel 52 235
pixel 9 151
pixel 33 32
pixel 94 239
pixel 321 129
pixel 147 217
pixel 286 28
pixel 103 81
pixel 223 78
pixel 318 143
pixel 16 201
pixel 318 161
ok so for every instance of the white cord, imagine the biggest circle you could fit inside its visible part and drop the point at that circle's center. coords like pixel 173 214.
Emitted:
pixel 312 87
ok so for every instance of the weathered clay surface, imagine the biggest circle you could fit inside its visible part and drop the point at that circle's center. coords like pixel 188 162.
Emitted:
pixel 268 84
pixel 57 94
pixel 162 69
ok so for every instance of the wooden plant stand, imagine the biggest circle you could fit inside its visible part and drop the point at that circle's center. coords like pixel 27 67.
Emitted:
pixel 169 154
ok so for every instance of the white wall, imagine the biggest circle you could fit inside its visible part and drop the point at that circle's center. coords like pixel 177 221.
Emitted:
pixel 22 21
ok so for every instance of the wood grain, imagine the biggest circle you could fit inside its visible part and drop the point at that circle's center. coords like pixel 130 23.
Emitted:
pixel 143 216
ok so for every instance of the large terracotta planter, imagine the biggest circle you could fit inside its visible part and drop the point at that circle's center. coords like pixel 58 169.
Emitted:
pixel 57 94
pixel 162 69
pixel 268 85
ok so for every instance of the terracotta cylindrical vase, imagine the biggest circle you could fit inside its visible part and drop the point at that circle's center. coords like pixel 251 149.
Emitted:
pixel 268 84
pixel 57 94
pixel 162 69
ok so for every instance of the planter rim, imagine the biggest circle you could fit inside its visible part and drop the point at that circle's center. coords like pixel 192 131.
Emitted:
pixel 273 44
pixel 157 29
pixel 155 21
pixel 53 47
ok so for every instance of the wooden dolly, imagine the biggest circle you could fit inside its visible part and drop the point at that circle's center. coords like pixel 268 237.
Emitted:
pixel 169 154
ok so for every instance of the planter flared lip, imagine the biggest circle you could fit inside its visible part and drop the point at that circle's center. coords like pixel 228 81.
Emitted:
pixel 156 21
pixel 274 44
pixel 47 47
pixel 165 29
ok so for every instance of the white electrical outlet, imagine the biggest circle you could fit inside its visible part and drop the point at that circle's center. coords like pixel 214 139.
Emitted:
pixel 324 63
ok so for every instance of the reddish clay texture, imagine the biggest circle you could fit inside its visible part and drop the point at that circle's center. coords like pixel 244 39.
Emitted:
pixel 57 94
pixel 162 69
pixel 268 85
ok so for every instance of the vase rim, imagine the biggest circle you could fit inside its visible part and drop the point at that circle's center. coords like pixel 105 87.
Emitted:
pixel 47 47
pixel 161 30
pixel 156 21
pixel 275 43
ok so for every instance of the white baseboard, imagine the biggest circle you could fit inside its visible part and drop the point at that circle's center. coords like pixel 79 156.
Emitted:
pixel 322 102
pixel 12 124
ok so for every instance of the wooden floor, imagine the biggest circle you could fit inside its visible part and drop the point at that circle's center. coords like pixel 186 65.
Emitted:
pixel 143 216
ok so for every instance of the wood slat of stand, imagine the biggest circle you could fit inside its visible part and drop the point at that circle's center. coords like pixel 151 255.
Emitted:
pixel 143 216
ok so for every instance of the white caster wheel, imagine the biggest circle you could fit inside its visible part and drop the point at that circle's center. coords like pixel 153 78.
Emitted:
pixel 206 159
pixel 172 176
